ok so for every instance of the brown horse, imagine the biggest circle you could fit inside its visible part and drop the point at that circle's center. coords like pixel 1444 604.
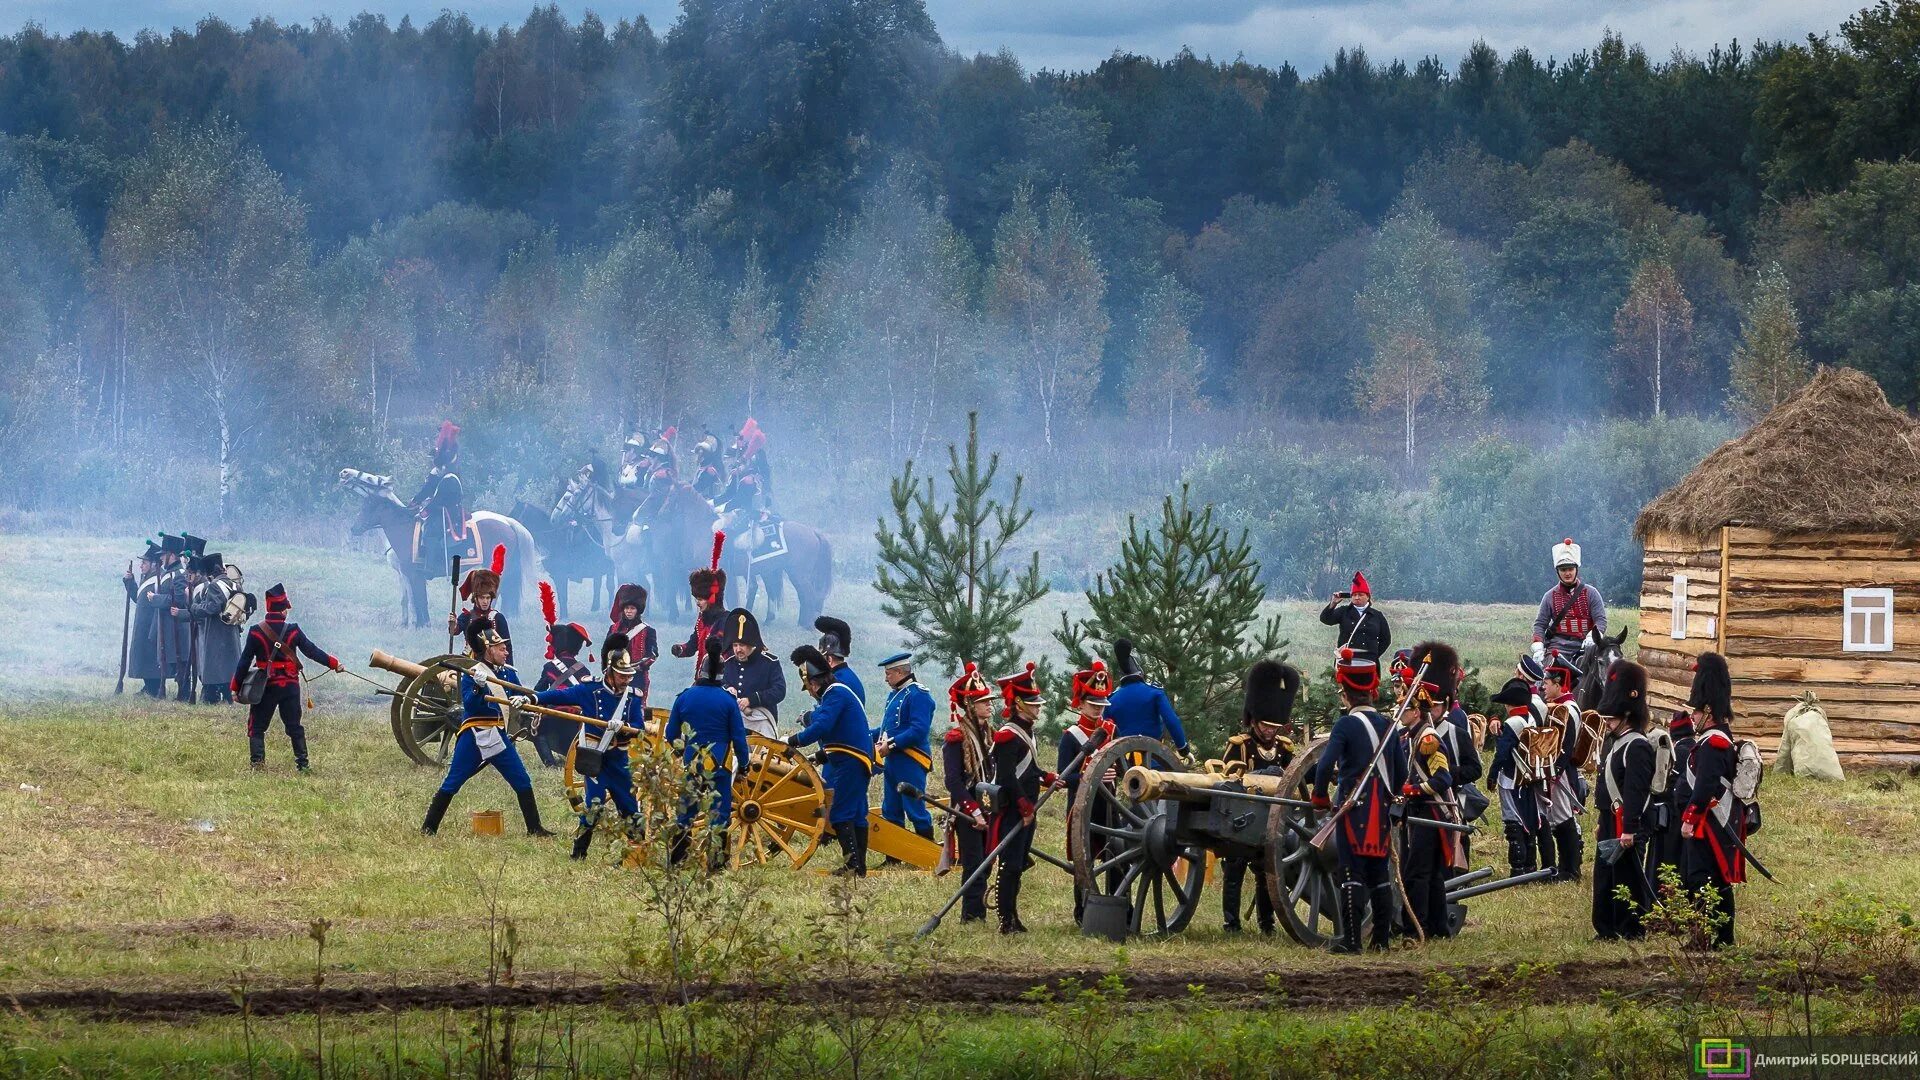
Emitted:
pixel 381 509
pixel 755 562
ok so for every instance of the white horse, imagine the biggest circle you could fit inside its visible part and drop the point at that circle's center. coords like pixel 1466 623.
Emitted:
pixel 381 508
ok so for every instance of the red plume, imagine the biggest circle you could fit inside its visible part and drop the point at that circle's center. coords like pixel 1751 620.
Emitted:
pixel 449 433
pixel 719 541
pixel 499 558
pixel 549 610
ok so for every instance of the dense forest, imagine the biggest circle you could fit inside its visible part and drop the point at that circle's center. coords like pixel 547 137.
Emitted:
pixel 1494 300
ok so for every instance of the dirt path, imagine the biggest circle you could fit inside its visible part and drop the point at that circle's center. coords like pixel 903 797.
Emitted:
pixel 971 988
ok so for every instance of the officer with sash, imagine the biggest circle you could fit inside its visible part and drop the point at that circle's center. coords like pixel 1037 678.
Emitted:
pixel 707 724
pixel 1627 762
pixel 615 701
pixel 839 724
pixel 753 675
pixel 904 745
pixel 482 738
pixel 1364 791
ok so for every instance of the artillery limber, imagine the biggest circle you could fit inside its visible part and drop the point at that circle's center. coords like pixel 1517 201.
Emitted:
pixel 779 801
pixel 1143 825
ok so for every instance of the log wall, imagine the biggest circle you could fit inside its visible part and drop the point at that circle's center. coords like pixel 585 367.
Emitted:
pixel 1669 662
pixel 1782 606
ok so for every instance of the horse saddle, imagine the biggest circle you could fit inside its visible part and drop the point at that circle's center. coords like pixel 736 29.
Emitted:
pixel 769 540
pixel 436 550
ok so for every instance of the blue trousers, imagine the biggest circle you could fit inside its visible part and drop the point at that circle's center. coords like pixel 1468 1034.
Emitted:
pixel 614 782
pixel 720 783
pixel 846 781
pixel 898 768
pixel 467 761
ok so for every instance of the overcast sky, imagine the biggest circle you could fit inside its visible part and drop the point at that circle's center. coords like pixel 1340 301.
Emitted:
pixel 1076 34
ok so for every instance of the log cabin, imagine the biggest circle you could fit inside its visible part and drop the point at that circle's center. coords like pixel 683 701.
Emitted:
pixel 1791 551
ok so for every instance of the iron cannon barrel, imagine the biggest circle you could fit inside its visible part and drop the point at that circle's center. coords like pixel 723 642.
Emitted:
pixel 1496 886
pixel 1470 877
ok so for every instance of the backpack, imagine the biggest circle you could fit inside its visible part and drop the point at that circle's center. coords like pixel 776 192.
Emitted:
pixel 1747 770
pixel 1662 741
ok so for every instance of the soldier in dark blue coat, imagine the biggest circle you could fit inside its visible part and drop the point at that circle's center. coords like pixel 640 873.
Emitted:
pixel 1263 747
pixel 1363 837
pixel 160 595
pixel 836 644
pixel 839 724
pixel 966 759
pixel 616 703
pixel 904 745
pixel 440 506
pixel 563 669
pixel 1138 707
pixel 1017 772
pixel 1363 628
pixel 707 722
pixel 754 675
pixel 482 738
pixel 1623 797
pixel 1714 824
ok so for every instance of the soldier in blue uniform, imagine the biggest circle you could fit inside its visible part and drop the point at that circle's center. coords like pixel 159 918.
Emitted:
pixel 707 721
pixel 563 669
pixel 274 644
pixel 1017 773
pixel 753 675
pixel 482 739
pixel 836 644
pixel 615 702
pixel 1363 837
pixel 1140 708
pixel 904 746
pixel 839 724
pixel 158 595
pixel 966 759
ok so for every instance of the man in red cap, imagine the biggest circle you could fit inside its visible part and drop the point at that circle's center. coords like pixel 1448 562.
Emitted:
pixel 272 646
pixel 1363 838
pixel 1363 628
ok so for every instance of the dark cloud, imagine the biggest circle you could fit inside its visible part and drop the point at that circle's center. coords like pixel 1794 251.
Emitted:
pixel 1076 34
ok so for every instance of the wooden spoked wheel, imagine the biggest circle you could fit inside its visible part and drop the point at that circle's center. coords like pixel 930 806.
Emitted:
pixel 1123 848
pixel 779 806
pixel 576 783
pixel 426 711
pixel 1304 881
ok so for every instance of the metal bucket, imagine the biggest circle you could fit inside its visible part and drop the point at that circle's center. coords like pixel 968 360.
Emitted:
pixel 487 822
pixel 1108 917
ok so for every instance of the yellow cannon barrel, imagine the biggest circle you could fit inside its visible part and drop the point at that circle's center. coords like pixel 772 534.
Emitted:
pixel 1142 784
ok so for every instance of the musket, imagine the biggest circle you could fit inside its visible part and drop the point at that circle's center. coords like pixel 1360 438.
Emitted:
pixel 193 630
pixel 1324 835
pixel 453 599
pixel 994 855
pixel 126 623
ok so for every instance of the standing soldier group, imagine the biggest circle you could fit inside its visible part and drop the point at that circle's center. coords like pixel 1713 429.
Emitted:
pixel 188 615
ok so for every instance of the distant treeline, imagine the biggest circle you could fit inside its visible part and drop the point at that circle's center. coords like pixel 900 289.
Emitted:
pixel 240 258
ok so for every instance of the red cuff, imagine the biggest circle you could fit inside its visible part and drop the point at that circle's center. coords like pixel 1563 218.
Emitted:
pixel 969 807
pixel 233 686
pixel 1026 807
pixel 1048 778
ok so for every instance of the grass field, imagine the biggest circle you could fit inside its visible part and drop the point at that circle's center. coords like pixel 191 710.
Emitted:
pixel 142 855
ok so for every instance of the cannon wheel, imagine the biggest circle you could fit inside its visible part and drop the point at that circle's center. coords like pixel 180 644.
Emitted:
pixel 425 717
pixel 779 806
pixel 1305 881
pixel 1127 849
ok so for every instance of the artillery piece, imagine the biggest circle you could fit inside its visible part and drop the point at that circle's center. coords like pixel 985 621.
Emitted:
pixel 1142 825
pixel 779 803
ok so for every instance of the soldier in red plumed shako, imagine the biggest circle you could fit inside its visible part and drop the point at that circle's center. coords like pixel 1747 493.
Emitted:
pixel 1627 763
pixel 1263 746
pixel 614 699
pixel 966 758
pixel 1363 837
pixel 482 739
pixel 481 589
pixel 272 647
pixel 562 670
pixel 1712 825
pixel 1078 743
pixel 1429 856
pixel 1019 778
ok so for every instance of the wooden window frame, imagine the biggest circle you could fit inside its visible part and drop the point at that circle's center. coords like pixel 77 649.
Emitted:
pixel 1848 596
pixel 1677 629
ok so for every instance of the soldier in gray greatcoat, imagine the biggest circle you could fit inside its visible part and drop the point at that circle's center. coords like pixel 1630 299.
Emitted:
pixel 162 594
pixel 143 658
pixel 216 644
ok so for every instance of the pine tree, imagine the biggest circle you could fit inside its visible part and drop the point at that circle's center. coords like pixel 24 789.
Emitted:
pixel 943 572
pixel 1188 595
pixel 1769 364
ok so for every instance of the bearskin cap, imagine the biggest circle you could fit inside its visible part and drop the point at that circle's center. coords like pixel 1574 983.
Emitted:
pixel 628 593
pixel 1271 689
pixel 1626 694
pixel 836 637
pixel 1712 687
pixel 1443 667
pixel 707 582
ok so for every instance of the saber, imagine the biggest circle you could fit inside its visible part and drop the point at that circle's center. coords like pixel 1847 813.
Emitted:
pixel 1757 864
pixel 994 855
pixel 954 813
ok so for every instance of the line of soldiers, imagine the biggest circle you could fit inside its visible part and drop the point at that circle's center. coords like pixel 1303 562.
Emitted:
pixel 188 614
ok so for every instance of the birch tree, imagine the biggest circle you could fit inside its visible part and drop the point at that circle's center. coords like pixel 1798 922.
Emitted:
pixel 1428 349
pixel 1653 330
pixel 1046 298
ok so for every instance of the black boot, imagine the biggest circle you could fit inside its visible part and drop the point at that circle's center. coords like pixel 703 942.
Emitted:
pixel 1567 840
pixel 530 810
pixel 436 810
pixel 843 835
pixel 1233 872
pixel 716 851
pixel 682 844
pixel 860 849
pixel 1519 850
pixel 1010 907
pixel 300 752
pixel 582 840
pixel 1353 903
pixel 1384 916
pixel 154 688
pixel 1543 841
pixel 257 750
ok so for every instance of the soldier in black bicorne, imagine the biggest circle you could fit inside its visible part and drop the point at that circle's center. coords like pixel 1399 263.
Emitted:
pixel 1264 747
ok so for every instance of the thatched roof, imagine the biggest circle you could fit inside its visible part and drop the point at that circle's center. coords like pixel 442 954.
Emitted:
pixel 1834 457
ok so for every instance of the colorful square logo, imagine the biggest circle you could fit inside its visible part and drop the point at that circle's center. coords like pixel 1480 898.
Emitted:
pixel 1722 1059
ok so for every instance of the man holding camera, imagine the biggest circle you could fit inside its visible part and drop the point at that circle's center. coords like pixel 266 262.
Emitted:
pixel 1362 626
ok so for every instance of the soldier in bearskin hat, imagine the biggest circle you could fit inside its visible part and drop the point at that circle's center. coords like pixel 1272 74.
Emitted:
pixel 628 616
pixel 615 701
pixel 1017 773
pixel 1623 797
pixel 275 646
pixel 753 675
pixel 1264 745
pixel 904 745
pixel 707 724
pixel 839 724
pixel 1429 856
pixel 480 588
pixel 1363 837
pixel 966 758
pixel 482 739
pixel 1671 850
pixel 1712 827
pixel 1138 707
pixel 562 670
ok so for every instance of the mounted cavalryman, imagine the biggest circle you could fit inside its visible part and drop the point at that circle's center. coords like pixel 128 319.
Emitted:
pixel 1570 610
pixel 439 507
